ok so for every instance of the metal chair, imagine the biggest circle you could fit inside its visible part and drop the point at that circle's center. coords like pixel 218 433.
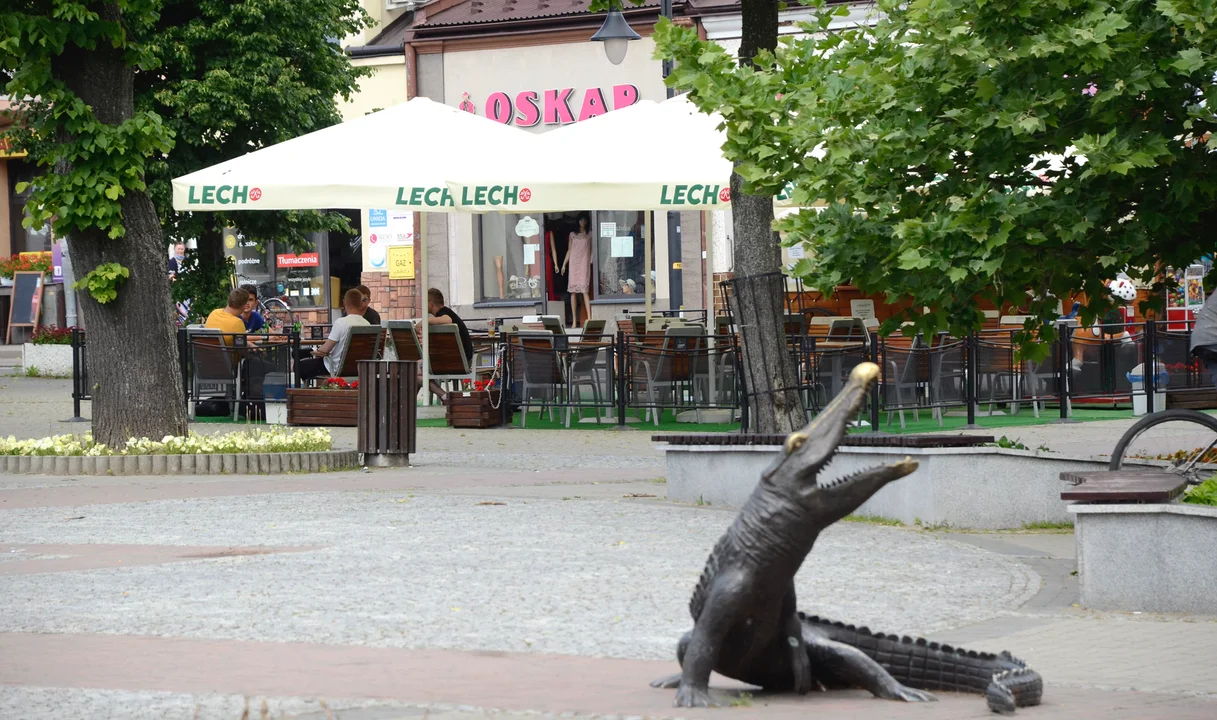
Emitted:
pixel 536 365
pixel 214 368
pixel 671 365
pixel 582 369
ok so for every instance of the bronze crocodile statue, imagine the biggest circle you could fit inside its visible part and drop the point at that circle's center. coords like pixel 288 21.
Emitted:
pixel 746 621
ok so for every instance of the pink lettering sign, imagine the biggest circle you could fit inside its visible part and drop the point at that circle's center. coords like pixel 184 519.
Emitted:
pixel 624 96
pixel 498 108
pixel 528 112
pixel 557 107
pixel 593 104
pixel 551 107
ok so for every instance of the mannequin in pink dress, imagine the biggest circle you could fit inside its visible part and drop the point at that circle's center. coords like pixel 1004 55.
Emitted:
pixel 579 259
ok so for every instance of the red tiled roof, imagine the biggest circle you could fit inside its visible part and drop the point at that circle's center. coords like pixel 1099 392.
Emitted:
pixel 489 11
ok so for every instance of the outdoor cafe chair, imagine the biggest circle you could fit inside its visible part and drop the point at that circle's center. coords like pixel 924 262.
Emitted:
pixel 404 338
pixel 582 369
pixel 364 343
pixel 670 368
pixel 537 366
pixel 446 354
pixel 905 370
pixel 214 369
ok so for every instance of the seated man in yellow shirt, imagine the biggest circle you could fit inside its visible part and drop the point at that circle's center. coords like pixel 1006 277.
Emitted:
pixel 228 319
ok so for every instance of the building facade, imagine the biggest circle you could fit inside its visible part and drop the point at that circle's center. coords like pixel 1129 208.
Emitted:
pixel 530 64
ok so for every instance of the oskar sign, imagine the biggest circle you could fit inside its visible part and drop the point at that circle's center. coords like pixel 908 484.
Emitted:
pixel 561 106
pixel 223 194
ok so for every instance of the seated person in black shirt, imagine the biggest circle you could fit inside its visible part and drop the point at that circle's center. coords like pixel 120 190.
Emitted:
pixel 368 313
pixel 441 314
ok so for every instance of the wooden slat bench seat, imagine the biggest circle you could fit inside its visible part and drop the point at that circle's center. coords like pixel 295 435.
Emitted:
pixel 1125 486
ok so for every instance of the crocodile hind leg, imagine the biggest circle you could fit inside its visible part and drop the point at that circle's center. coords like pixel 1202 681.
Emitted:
pixel 851 666
pixel 673 681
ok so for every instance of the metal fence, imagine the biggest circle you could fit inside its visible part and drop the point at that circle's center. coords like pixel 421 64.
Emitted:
pixel 679 370
pixel 689 372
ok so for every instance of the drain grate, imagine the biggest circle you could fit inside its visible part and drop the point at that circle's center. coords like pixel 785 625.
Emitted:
pixel 862 440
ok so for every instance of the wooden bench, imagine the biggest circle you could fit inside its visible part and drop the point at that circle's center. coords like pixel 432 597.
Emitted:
pixel 1123 486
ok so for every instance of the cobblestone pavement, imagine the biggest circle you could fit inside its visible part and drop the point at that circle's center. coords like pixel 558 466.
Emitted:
pixel 514 573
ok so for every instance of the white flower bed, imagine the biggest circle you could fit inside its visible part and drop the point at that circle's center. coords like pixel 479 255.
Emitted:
pixel 271 440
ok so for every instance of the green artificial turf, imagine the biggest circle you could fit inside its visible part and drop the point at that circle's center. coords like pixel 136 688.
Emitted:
pixel 927 423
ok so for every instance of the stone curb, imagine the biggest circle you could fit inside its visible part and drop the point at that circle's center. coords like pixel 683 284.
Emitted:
pixel 214 464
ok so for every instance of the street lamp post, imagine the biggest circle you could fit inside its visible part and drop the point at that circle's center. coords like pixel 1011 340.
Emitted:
pixel 616 34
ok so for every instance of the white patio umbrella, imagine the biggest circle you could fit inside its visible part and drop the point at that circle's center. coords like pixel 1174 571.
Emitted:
pixel 649 156
pixel 395 158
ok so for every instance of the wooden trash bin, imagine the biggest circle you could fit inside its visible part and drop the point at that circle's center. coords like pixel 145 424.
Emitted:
pixel 388 411
pixel 474 409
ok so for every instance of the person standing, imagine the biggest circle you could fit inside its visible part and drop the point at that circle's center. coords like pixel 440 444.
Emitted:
pixel 175 262
pixel 579 261
pixel 327 358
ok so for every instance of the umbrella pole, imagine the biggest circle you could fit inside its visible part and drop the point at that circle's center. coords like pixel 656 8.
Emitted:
pixel 421 283
pixel 646 262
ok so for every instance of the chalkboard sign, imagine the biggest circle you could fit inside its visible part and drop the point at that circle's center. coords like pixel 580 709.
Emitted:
pixel 27 301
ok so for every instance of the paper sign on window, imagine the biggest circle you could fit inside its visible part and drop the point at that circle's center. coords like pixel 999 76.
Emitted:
pixel 527 227
pixel 796 252
pixel 623 246
pixel 864 309
pixel 608 230
pixel 530 253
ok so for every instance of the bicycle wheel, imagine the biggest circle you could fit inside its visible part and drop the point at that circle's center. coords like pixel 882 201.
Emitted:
pixel 277 315
pixel 1184 438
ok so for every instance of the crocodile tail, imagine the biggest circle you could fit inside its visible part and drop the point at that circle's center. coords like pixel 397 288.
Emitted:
pixel 1004 680
pixel 1017 686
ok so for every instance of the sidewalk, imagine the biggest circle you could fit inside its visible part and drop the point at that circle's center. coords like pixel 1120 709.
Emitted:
pixel 512 573
pixel 154 597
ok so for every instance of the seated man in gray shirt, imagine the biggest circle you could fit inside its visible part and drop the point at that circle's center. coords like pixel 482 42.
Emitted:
pixel 327 358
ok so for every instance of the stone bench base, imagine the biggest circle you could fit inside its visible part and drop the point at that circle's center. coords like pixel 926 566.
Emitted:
pixel 985 488
pixel 234 464
pixel 1147 558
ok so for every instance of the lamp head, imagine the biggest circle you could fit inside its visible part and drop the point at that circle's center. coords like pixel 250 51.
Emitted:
pixel 616 35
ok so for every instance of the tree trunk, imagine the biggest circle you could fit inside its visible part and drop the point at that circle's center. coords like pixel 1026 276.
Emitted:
pixel 775 405
pixel 133 356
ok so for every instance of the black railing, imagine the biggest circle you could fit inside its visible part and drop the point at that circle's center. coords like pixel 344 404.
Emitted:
pixel 687 369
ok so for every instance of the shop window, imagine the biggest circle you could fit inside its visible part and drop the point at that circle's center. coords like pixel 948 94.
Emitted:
pixel 620 254
pixel 298 276
pixel 509 257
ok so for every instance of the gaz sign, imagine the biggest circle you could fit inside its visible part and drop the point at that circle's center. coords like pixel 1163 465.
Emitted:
pixel 401 262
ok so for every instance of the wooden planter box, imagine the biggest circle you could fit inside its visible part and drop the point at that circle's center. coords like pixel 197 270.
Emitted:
pixel 473 409
pixel 307 406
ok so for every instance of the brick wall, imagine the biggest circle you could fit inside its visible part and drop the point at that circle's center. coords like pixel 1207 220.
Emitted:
pixel 393 299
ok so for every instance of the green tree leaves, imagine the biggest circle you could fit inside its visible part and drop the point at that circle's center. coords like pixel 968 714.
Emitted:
pixel 1012 150
pixel 102 281
pixel 87 162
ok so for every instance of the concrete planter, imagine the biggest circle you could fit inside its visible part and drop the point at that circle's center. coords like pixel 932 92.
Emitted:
pixel 244 464
pixel 985 488
pixel 1147 558
pixel 51 360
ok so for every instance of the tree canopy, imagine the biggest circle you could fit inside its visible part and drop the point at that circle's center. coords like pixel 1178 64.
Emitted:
pixel 238 75
pixel 1014 150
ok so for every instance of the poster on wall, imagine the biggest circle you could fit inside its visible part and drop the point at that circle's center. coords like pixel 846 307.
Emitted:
pixel 384 229
pixel 401 262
